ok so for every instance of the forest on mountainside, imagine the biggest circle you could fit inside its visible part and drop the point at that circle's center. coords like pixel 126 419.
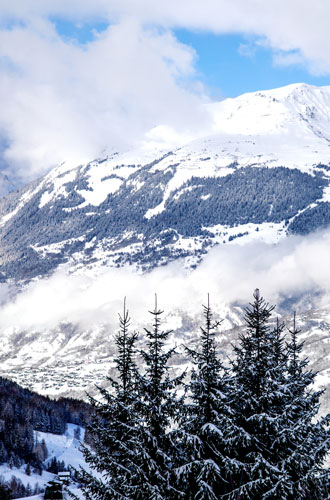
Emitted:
pixel 246 195
pixel 22 412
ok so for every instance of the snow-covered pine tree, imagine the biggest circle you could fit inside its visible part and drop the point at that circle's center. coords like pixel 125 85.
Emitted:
pixel 125 342
pixel 203 469
pixel 257 403
pixel 277 340
pixel 307 438
pixel 113 427
pixel 278 446
pixel 159 407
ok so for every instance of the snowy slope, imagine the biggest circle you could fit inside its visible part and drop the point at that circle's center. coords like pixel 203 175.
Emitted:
pixel 65 447
pixel 288 127
pixel 34 479
pixel 265 167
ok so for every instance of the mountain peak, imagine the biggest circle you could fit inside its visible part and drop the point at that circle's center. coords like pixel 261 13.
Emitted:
pixel 287 90
pixel 294 112
pixel 135 208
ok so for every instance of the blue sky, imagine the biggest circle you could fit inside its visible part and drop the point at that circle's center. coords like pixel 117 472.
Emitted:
pixel 231 65
pixel 81 77
pixel 227 64
pixel 81 33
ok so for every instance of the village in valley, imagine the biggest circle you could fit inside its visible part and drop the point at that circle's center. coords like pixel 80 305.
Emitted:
pixel 61 378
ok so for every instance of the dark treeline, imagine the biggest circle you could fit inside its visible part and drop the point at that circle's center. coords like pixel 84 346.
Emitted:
pixel 22 412
pixel 247 431
pixel 14 488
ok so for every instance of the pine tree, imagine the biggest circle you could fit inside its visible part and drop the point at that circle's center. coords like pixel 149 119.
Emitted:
pixel 113 427
pixel 3 453
pixel 154 478
pixel 11 461
pixel 307 438
pixel 37 489
pixel 202 473
pixel 257 404
pixel 44 450
pixel 277 342
pixel 125 342
pixel 277 448
pixel 5 492
pixel 28 490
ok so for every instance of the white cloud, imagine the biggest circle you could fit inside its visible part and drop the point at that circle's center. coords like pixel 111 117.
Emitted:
pixel 294 25
pixel 288 59
pixel 65 101
pixel 295 267
pixel 61 100
pixel 247 49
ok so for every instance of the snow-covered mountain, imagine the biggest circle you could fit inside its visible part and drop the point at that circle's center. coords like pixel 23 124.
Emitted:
pixel 264 173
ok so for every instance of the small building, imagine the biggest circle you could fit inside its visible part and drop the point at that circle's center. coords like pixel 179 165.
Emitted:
pixel 53 491
pixel 64 477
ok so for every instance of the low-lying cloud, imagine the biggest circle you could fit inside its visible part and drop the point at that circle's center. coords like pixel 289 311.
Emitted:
pixel 295 267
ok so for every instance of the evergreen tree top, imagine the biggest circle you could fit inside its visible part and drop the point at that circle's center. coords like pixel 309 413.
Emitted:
pixel 125 342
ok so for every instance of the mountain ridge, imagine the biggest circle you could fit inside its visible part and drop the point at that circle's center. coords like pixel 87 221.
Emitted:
pixel 134 208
